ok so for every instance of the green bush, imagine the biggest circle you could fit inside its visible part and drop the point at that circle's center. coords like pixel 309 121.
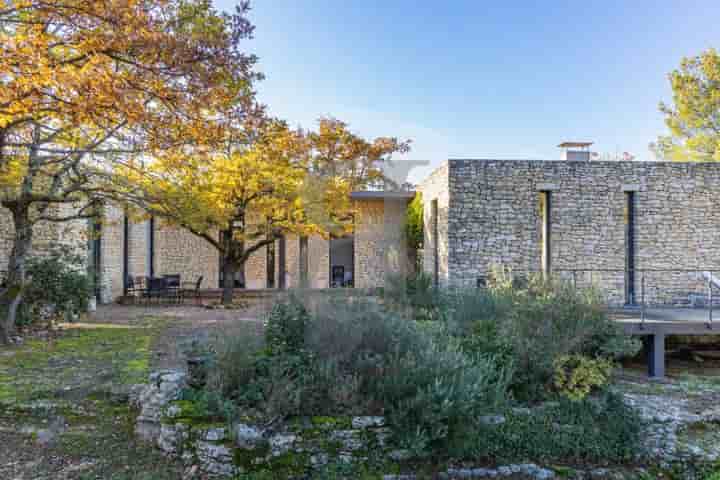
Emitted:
pixel 529 323
pixel 285 327
pixel 599 429
pixel 58 284
pixel 577 375
pixel 414 222
pixel 415 295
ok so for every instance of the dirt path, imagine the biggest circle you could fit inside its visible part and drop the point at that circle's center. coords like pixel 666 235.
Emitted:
pixel 63 400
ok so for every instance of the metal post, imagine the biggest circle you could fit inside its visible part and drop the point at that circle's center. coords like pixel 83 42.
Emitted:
pixel 655 346
pixel 574 276
pixel 642 299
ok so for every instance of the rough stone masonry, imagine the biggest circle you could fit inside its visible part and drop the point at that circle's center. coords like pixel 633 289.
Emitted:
pixel 481 214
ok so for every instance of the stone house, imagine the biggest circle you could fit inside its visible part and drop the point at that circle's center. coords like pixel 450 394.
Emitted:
pixel 635 230
pixel 151 248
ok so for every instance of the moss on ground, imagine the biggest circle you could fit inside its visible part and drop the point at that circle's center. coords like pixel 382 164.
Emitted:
pixel 76 386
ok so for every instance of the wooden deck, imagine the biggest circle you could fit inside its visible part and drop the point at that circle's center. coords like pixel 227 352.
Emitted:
pixel 654 324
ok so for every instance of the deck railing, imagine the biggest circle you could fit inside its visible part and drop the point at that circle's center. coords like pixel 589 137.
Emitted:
pixel 670 284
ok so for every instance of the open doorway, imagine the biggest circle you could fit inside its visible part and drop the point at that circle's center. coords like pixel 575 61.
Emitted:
pixel 342 262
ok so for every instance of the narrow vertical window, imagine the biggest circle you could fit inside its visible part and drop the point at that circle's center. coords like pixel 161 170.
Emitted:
pixel 95 260
pixel 126 249
pixel 151 247
pixel 546 232
pixel 630 297
pixel 282 259
pixel 435 241
pixel 270 264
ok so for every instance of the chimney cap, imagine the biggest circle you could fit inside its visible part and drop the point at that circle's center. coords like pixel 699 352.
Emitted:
pixel 575 144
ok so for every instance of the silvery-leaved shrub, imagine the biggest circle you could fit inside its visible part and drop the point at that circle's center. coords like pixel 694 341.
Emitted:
pixel 354 358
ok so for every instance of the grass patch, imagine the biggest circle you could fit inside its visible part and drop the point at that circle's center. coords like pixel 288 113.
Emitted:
pixel 74 381
pixel 81 359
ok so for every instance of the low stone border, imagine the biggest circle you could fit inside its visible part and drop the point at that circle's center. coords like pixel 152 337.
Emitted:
pixel 220 449
pixel 308 443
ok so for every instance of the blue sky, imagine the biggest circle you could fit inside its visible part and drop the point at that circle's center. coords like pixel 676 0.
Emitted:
pixel 480 79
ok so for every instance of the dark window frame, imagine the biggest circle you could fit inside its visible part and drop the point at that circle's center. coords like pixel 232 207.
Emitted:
pixel 546 210
pixel 630 247
pixel 434 213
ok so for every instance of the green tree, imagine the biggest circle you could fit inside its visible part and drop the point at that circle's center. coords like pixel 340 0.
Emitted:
pixel 414 223
pixel 694 117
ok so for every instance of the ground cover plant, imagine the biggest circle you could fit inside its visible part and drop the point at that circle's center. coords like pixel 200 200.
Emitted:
pixel 64 410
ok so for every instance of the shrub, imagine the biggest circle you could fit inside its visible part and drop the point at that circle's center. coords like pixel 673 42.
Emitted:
pixel 530 322
pixel 355 358
pixel 599 429
pixel 415 295
pixel 58 287
pixel 576 375
pixel 414 222
pixel 285 327
pixel 230 361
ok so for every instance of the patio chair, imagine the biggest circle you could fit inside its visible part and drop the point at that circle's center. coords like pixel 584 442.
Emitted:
pixel 156 288
pixel 172 285
pixel 130 288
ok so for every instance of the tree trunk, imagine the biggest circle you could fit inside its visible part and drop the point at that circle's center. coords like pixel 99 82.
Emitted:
pixel 16 276
pixel 228 280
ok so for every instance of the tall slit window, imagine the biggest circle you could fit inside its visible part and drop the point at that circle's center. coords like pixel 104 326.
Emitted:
pixel 435 241
pixel 545 199
pixel 630 213
pixel 270 264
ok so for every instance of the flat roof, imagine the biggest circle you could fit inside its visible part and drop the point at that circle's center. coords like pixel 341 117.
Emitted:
pixel 382 194
pixel 574 144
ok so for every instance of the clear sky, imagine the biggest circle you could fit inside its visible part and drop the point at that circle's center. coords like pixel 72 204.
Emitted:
pixel 480 79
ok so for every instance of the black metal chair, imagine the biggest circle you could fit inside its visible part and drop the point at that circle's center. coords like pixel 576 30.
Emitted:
pixel 130 290
pixel 156 288
pixel 172 286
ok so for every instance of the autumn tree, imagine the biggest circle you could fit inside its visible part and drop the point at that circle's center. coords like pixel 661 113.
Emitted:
pixel 694 117
pixel 268 181
pixel 337 151
pixel 86 84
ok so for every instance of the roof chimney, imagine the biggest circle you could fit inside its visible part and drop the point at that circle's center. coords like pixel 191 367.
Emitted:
pixel 575 151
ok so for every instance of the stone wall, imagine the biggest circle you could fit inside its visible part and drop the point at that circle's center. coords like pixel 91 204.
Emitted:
pixel 139 248
pixel 318 262
pixel 256 269
pixel 292 259
pixel 377 247
pixel 379 240
pixel 111 254
pixel 46 235
pixel 179 251
pixel 287 451
pixel 494 219
pixel 436 188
